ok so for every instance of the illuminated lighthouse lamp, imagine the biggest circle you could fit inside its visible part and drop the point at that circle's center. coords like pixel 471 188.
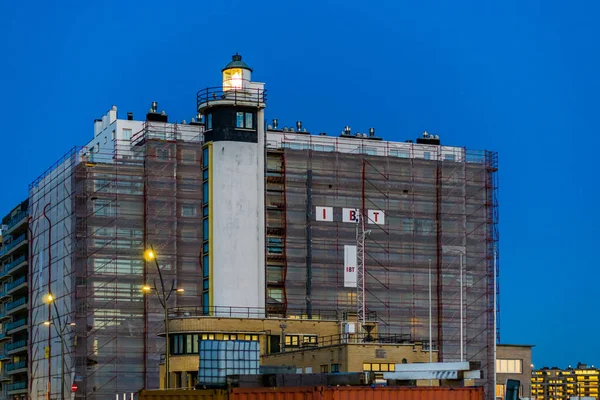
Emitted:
pixel 236 75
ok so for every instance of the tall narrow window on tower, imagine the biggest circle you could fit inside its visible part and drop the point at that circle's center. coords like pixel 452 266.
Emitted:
pixel 206 254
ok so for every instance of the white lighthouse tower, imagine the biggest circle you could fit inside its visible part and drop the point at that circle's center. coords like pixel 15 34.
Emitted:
pixel 233 251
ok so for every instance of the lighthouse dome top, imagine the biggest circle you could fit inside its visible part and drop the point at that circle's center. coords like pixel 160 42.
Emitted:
pixel 236 62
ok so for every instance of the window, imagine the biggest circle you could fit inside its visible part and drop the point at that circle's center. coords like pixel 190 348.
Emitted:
pixel 205 157
pixel 292 340
pixel 244 120
pixel 105 139
pixel 379 367
pixel 335 368
pixel 163 154
pixel 372 151
pixel 427 155
pixel 205 193
pixel 126 134
pixel 189 235
pixel 324 369
pixel 399 153
pixel 114 134
pixel 209 121
pixel 309 339
pixel 275 295
pixel 254 338
pixel 449 157
pixel 188 210
pixel 509 366
pixel 188 156
pixel 230 336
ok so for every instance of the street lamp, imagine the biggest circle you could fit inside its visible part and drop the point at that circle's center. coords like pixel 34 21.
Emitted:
pixel 60 330
pixel 461 251
pixel 163 297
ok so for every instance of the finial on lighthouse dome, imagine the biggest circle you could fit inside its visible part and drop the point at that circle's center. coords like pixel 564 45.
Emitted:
pixel 236 74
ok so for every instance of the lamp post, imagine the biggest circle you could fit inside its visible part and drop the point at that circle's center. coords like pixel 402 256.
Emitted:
pixel 163 297
pixel 461 251
pixel 60 330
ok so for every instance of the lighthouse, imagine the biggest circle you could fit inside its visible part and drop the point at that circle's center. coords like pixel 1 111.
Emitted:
pixel 233 246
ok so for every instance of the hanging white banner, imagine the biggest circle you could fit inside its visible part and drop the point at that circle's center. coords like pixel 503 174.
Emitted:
pixel 324 214
pixel 350 272
pixel 376 217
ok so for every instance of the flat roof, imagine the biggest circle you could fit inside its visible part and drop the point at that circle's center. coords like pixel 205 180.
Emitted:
pixel 515 345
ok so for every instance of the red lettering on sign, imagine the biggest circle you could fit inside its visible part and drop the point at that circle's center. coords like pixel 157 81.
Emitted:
pixel 324 213
pixel 352 215
pixel 376 214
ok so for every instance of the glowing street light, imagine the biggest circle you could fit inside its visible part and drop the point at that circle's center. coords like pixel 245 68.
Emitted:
pixel 163 297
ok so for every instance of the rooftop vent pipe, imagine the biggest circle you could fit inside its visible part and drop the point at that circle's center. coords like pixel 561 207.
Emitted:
pixel 372 132
pixel 299 125
pixel 275 123
pixel 347 130
pixel 154 107
pixel 129 116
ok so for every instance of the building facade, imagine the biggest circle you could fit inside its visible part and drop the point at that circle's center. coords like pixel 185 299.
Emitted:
pixel 14 302
pixel 242 213
pixel 513 361
pixel 564 384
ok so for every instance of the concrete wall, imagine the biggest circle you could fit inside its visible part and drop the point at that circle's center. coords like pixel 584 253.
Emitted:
pixel 515 352
pixel 350 356
pixel 238 273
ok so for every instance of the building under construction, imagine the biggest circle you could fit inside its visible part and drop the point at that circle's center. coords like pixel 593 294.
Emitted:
pixel 245 214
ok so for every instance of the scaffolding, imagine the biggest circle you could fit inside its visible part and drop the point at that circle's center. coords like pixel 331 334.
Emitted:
pixel 104 209
pixel 432 197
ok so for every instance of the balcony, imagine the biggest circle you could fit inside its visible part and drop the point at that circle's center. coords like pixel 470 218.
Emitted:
pixel 16 221
pixel 14 285
pixel 4 377
pixel 15 347
pixel 16 387
pixel 16 305
pixel 16 368
pixel 3 337
pixel 14 266
pixel 15 244
pixel 16 326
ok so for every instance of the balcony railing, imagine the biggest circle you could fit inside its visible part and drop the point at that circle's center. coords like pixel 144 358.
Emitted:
pixel 16 386
pixel 16 283
pixel 206 96
pixel 13 244
pixel 14 263
pixel 16 219
pixel 16 303
pixel 17 365
pixel 15 345
pixel 16 324
pixel 251 312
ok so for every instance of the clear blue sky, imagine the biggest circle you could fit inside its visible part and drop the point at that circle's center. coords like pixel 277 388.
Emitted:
pixel 518 77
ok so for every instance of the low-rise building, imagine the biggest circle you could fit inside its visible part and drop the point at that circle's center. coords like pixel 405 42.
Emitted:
pixel 323 343
pixel 513 361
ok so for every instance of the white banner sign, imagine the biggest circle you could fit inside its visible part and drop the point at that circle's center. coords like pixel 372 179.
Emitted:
pixel 350 214
pixel 376 217
pixel 324 213
pixel 350 266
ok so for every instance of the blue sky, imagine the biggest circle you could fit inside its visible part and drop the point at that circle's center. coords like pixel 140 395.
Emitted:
pixel 517 77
